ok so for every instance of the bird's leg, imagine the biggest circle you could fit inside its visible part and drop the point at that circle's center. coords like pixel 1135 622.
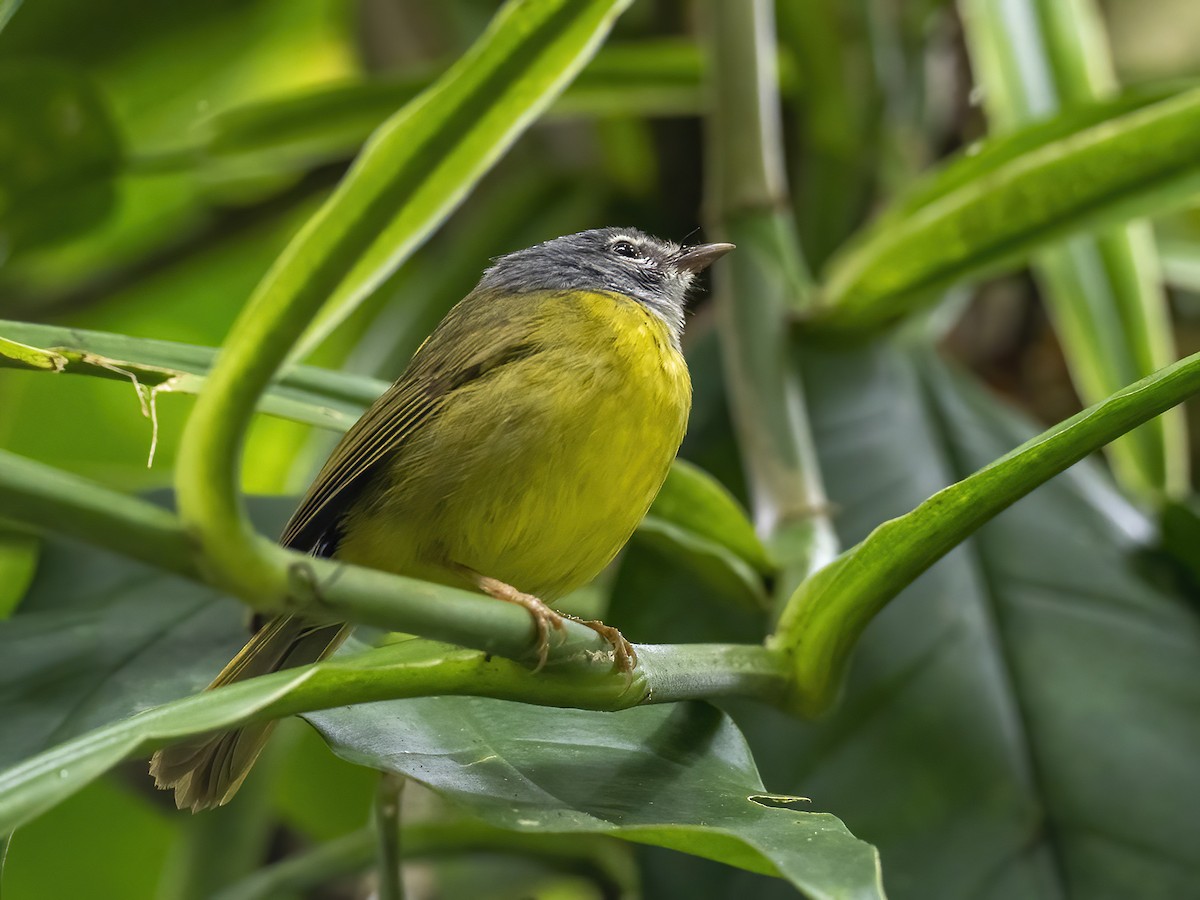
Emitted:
pixel 544 618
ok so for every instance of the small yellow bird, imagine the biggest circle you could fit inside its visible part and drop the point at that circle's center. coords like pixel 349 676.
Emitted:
pixel 515 456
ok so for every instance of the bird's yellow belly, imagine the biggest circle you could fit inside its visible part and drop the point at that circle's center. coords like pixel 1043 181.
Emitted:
pixel 544 466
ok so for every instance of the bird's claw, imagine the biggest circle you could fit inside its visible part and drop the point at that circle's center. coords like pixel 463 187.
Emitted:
pixel 545 618
pixel 624 654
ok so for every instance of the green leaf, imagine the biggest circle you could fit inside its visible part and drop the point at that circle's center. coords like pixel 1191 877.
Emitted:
pixel 1127 164
pixel 677 776
pixel 990 709
pixel 696 520
pixel 827 614
pixel 58 152
pixel 134 828
pixel 1033 58
pixel 101 638
pixel 1180 537
pixel 302 393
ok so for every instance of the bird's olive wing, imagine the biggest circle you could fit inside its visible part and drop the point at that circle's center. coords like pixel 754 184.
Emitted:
pixel 483 332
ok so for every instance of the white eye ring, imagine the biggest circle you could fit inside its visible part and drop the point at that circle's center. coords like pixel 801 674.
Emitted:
pixel 626 248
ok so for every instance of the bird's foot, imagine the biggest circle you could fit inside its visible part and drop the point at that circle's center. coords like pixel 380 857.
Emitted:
pixel 624 655
pixel 544 618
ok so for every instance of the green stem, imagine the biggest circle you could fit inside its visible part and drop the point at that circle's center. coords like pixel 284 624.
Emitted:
pixel 388 799
pixel 47 498
pixel 758 288
pixel 398 671
pixel 746 169
pixel 824 618
pixel 32 493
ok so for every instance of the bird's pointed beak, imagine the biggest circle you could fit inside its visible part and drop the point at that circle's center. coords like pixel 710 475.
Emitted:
pixel 699 258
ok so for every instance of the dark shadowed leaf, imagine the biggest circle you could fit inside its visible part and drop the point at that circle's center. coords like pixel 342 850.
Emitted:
pixel 993 706
pixel 99 639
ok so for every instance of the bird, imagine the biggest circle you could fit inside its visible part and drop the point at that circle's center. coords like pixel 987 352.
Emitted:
pixel 514 456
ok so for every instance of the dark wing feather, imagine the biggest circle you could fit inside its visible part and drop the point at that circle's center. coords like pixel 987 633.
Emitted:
pixel 482 332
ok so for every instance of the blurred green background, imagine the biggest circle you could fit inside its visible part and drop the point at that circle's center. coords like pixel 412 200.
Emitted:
pixel 157 198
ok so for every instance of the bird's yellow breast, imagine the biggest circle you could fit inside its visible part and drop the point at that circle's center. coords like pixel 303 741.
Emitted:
pixel 537 472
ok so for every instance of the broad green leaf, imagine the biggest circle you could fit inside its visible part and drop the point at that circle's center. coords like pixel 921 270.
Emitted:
pixel 58 152
pixel 676 775
pixel 992 706
pixel 1130 163
pixel 1032 59
pixel 692 786
pixel 134 828
pixel 825 616
pixel 99 638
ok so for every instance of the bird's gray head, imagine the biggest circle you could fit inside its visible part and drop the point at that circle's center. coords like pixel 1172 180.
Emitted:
pixel 654 272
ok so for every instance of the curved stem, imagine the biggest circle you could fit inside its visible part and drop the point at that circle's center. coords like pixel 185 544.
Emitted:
pixel 825 617
pixel 416 169
pixel 36 494
pixel 33 493
pixel 411 668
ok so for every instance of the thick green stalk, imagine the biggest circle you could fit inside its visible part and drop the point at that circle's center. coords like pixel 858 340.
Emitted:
pixel 758 287
pixel 42 496
pixel 38 495
pixel 1034 59
pixel 388 799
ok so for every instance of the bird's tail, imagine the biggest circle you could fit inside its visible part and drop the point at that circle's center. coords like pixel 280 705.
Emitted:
pixel 207 771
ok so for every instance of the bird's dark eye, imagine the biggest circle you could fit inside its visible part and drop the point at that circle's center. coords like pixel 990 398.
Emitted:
pixel 625 248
